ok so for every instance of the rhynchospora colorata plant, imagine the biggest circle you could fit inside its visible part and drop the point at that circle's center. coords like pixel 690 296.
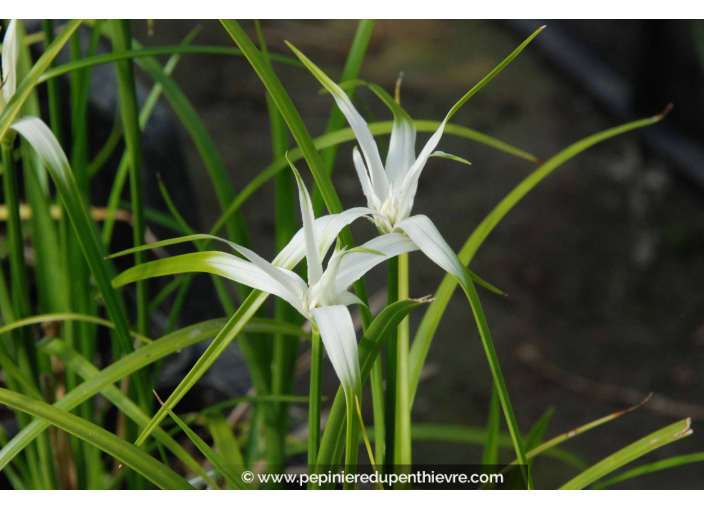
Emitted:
pixel 53 381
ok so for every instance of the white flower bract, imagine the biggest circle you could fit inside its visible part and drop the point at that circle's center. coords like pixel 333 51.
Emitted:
pixel 390 190
pixel 10 51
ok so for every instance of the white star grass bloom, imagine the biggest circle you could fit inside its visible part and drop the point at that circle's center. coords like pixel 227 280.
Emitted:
pixel 390 190
pixel 10 52
pixel 323 299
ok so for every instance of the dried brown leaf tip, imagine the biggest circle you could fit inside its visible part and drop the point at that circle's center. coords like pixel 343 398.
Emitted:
pixel 664 113
pixel 633 408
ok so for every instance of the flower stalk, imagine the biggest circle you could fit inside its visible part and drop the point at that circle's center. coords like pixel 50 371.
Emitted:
pixel 391 377
pixel 314 398
pixel 402 448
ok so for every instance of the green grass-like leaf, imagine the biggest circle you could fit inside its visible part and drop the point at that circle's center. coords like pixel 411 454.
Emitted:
pixel 142 357
pixel 155 51
pixel 78 317
pixel 129 112
pixel 55 161
pixel 129 454
pixel 431 319
pixel 115 136
pixel 653 467
pixel 434 432
pixel 499 382
pixel 440 154
pixel 185 111
pixel 226 443
pixel 233 478
pixel 293 120
pixel 662 437
pixel 549 446
pixel 86 370
pixel 226 335
pixel 490 455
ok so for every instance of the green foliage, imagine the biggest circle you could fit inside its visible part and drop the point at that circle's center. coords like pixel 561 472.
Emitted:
pixel 123 451
pixel 71 281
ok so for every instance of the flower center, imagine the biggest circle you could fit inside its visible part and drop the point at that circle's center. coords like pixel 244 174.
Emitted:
pixel 388 216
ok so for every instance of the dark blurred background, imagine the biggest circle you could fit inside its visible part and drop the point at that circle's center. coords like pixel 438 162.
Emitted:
pixel 603 261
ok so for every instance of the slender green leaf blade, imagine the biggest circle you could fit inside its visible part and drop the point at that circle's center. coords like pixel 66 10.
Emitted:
pixel 478 436
pixel 125 452
pixel 125 366
pixel 490 456
pixel 227 446
pixel 86 370
pixel 499 382
pixel 653 467
pixel 445 155
pixel 431 319
pixel 233 327
pixel 233 478
pixel 154 51
pixel 662 437
pixel 46 145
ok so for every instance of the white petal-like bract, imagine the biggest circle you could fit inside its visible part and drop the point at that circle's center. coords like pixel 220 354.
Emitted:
pixel 355 265
pixel 358 124
pixel 340 340
pixel 425 235
pixel 10 51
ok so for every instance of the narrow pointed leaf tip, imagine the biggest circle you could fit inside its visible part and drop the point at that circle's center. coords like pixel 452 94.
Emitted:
pixel 364 136
pixel 441 154
pixel 665 112
pixel 493 73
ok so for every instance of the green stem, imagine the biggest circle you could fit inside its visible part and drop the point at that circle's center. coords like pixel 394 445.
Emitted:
pixel 490 456
pixel 391 360
pixel 316 366
pixel 402 433
pixel 377 382
pixel 352 438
